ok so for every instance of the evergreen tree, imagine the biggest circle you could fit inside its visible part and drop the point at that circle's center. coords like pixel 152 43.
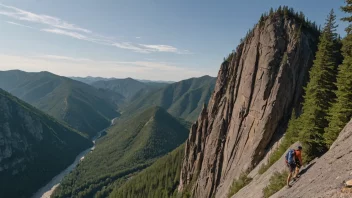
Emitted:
pixel 271 12
pixel 319 91
pixel 341 111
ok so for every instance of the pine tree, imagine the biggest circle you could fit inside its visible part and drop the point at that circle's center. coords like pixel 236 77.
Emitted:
pixel 341 111
pixel 271 12
pixel 319 91
pixel 285 11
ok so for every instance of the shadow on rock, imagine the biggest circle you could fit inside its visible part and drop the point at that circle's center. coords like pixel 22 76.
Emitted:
pixel 305 169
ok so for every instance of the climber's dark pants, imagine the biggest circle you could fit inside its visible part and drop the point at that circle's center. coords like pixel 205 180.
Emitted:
pixel 292 167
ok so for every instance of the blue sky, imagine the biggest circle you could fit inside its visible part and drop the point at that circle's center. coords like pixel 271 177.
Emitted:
pixel 145 39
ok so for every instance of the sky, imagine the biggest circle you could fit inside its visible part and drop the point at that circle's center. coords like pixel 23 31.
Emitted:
pixel 144 39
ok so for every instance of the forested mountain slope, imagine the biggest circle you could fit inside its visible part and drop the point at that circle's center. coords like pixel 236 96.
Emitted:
pixel 129 146
pixel 159 180
pixel 34 147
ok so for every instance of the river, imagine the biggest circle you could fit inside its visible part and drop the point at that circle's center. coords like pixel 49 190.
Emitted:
pixel 48 189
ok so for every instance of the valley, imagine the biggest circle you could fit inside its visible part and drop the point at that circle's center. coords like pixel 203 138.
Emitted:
pixel 276 121
pixel 125 147
pixel 47 190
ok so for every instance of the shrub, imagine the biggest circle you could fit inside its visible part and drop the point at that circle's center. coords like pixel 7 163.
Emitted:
pixel 238 184
pixel 276 183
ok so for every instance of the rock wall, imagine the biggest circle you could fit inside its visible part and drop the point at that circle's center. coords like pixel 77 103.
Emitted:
pixel 254 95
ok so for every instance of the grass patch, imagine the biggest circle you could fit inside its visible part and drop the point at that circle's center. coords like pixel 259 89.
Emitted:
pixel 238 184
pixel 276 183
pixel 273 158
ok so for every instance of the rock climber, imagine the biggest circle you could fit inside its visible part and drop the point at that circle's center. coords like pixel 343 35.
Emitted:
pixel 294 162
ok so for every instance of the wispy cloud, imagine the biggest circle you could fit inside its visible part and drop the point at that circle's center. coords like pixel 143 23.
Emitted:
pixel 58 26
pixel 23 15
pixel 160 48
pixel 138 37
pixel 133 47
pixel 142 48
pixel 18 24
pixel 72 66
pixel 67 33
pixel 64 58
pixel 142 64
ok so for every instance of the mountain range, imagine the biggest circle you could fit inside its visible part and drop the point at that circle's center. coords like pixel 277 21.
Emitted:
pixel 128 87
pixel 81 106
pixel 89 80
pixel 183 99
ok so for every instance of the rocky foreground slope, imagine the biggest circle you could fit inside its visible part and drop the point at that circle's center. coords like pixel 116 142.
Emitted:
pixel 256 90
pixel 255 188
pixel 325 178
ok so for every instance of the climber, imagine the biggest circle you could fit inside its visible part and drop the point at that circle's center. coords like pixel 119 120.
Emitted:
pixel 294 162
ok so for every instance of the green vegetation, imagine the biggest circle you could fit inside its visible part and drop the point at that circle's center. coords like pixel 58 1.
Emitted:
pixel 276 183
pixel 182 99
pixel 83 107
pixel 159 180
pixel 319 92
pixel 238 184
pixel 129 146
pixel 38 147
pixel 341 111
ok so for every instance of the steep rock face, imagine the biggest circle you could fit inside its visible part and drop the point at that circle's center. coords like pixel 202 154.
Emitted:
pixel 255 92
pixel 324 179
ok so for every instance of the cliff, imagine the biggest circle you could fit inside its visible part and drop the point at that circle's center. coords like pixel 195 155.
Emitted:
pixel 256 89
